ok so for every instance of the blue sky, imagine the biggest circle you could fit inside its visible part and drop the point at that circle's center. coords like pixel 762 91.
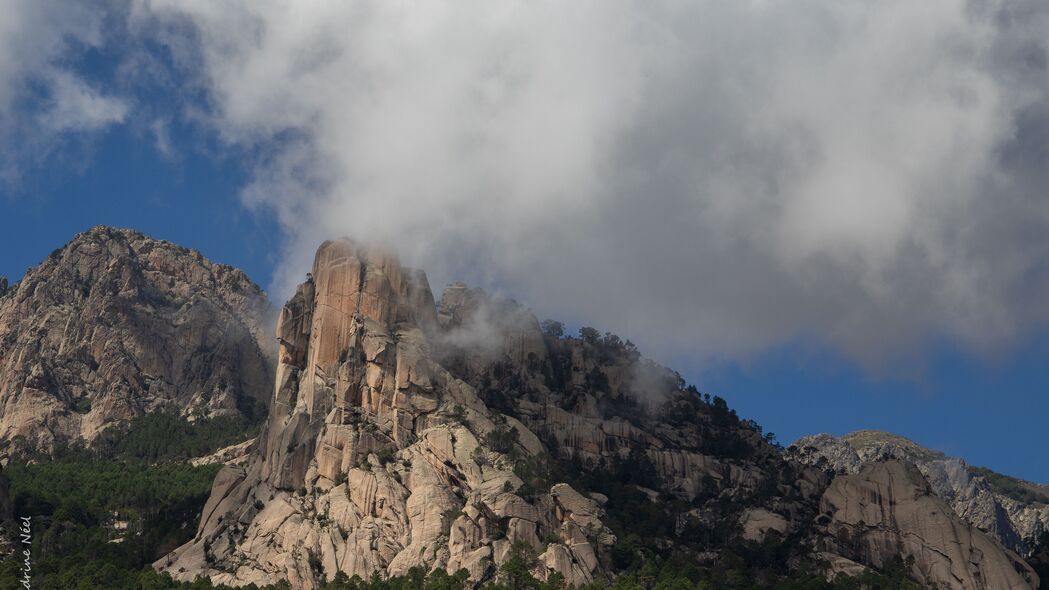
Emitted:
pixel 826 250
pixel 192 200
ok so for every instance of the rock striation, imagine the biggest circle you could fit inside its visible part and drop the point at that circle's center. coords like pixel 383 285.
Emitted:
pixel 116 324
pixel 1013 511
pixel 888 509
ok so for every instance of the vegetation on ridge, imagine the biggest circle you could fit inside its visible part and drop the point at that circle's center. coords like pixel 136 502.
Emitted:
pixel 1011 487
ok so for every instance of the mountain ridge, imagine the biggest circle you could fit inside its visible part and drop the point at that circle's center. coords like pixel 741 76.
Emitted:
pixel 1013 510
pixel 114 325
pixel 409 433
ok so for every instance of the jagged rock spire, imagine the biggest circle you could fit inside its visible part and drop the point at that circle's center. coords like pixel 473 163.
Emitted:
pixel 374 457
pixel 395 430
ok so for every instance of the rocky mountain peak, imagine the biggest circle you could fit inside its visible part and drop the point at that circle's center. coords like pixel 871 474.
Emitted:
pixel 847 453
pixel 405 433
pixel 1013 511
pixel 887 509
pixel 116 324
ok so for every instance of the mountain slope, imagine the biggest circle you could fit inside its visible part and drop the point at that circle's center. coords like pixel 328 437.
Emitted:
pixel 1012 510
pixel 115 325
pixel 887 509
pixel 405 434
pixel 402 437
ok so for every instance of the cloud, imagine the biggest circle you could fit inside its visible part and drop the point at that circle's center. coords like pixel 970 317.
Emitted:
pixel 716 177
pixel 75 106
pixel 42 97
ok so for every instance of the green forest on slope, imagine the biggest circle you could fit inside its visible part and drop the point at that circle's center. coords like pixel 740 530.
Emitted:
pixel 101 514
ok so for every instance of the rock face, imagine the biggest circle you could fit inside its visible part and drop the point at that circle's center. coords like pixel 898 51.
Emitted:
pixel 888 509
pixel 404 434
pixel 1013 511
pixel 373 457
pixel 115 325
pixel 236 455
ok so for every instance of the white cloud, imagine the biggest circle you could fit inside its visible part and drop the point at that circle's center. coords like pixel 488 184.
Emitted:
pixel 41 96
pixel 74 106
pixel 716 176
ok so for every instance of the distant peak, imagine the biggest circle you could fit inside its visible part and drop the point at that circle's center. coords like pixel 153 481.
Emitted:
pixel 106 232
pixel 861 439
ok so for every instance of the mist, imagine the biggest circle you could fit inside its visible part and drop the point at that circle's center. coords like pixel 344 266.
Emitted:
pixel 708 179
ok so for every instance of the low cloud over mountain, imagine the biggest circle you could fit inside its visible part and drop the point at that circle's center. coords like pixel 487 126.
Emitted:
pixel 729 177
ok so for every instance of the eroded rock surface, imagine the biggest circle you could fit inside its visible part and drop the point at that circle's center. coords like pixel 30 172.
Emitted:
pixel 403 434
pixel 236 455
pixel 888 509
pixel 373 459
pixel 409 433
pixel 1013 511
pixel 115 325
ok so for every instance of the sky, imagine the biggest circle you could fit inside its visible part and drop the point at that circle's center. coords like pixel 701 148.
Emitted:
pixel 831 213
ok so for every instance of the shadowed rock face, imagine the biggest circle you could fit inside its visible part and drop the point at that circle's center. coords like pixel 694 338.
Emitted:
pixel 1016 518
pixel 1039 558
pixel 888 509
pixel 115 325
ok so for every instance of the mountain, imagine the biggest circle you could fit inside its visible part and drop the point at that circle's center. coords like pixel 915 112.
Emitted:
pixel 887 509
pixel 407 435
pixel 1014 511
pixel 115 325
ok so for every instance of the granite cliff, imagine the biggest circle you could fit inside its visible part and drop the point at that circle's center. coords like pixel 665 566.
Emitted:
pixel 406 432
pixel 887 509
pixel 1015 512
pixel 115 325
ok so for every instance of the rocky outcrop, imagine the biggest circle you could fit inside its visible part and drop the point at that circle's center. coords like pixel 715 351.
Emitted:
pixel 758 523
pixel 888 509
pixel 376 458
pixel 1013 511
pixel 115 325
pixel 404 433
pixel 235 455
